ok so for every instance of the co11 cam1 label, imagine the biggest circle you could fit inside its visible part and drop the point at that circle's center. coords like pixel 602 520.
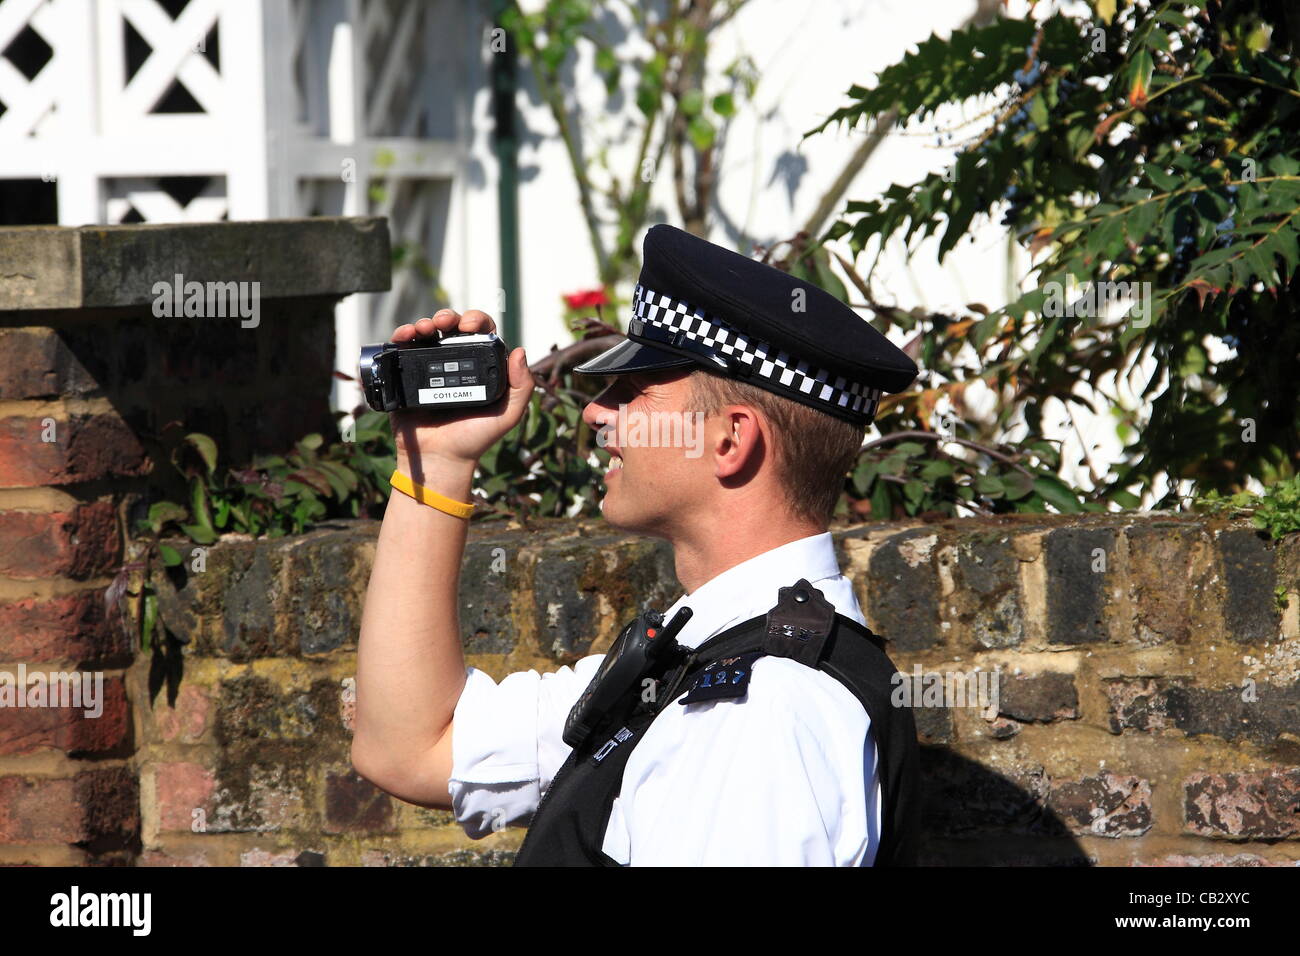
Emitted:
pixel 432 396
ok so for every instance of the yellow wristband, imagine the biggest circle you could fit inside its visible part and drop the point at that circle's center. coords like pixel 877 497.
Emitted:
pixel 427 496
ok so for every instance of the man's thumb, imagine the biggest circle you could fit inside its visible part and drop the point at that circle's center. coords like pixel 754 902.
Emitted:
pixel 521 380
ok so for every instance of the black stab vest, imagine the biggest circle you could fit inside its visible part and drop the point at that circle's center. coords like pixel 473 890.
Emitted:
pixel 568 827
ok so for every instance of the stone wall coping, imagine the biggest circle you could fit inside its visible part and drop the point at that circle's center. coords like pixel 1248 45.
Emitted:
pixel 595 532
pixel 102 267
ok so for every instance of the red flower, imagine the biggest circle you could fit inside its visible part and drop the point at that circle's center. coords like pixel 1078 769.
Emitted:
pixel 586 299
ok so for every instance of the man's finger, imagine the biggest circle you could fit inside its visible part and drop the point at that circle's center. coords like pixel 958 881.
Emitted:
pixel 446 319
pixel 476 320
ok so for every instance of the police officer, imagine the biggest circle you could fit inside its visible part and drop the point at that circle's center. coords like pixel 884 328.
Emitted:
pixel 757 730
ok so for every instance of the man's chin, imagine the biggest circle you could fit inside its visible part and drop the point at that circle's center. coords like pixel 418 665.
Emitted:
pixel 620 518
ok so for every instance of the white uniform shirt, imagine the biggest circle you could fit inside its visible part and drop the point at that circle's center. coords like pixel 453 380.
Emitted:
pixel 785 776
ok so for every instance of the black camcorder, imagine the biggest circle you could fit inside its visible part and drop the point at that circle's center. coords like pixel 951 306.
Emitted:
pixel 455 371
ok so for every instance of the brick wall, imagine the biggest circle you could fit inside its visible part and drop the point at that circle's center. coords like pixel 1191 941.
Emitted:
pixel 1123 646
pixel 89 378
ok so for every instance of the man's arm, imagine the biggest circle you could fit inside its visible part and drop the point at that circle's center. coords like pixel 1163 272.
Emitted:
pixel 410 667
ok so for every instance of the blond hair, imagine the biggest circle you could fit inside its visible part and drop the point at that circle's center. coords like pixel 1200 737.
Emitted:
pixel 814 450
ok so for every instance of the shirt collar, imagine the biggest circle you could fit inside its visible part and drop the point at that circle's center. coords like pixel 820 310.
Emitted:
pixel 750 588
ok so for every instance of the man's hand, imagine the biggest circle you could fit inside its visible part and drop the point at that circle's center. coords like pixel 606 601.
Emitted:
pixel 426 437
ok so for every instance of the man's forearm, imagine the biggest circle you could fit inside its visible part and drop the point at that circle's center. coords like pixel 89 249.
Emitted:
pixel 410 667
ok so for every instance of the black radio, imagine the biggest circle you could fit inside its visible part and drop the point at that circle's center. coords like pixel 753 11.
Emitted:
pixel 456 371
pixel 646 646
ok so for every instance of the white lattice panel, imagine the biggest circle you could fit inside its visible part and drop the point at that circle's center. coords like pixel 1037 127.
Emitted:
pixel 29 101
pixel 202 110
pixel 130 93
pixel 158 200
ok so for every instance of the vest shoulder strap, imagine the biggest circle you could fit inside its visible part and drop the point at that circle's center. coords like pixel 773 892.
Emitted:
pixel 805 627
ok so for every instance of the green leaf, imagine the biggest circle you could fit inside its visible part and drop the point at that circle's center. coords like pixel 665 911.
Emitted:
pixel 985 328
pixel 1017 484
pixel 701 133
pixel 1038 112
pixel 909 448
pixel 914 492
pixel 936 469
pixel 880 509
pixel 893 465
pixel 863 475
pixel 199 505
pixel 170 556
pixel 162 513
pixel 200 533
pixel 222 516
pixel 149 619
pixel 1056 493
pixel 1125 500
pixel 1162 180
pixel 206 447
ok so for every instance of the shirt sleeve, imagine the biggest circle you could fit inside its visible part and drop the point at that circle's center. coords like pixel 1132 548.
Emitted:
pixel 774 780
pixel 507 742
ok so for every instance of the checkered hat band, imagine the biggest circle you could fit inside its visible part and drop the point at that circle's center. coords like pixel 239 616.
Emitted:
pixel 707 332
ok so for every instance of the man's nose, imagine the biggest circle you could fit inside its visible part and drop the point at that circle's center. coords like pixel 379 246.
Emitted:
pixel 597 411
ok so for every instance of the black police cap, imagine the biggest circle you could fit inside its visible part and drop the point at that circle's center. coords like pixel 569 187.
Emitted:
pixel 698 304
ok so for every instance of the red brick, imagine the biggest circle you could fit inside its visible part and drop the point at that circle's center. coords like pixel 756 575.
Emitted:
pixel 181 789
pixel 79 543
pixel 86 448
pixel 110 803
pixel 26 730
pixel 354 804
pixel 93 806
pixel 38 811
pixel 188 719
pixel 1243 806
pixel 73 627
pixel 36 363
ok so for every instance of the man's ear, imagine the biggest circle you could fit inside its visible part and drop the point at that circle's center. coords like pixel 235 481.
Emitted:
pixel 738 441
